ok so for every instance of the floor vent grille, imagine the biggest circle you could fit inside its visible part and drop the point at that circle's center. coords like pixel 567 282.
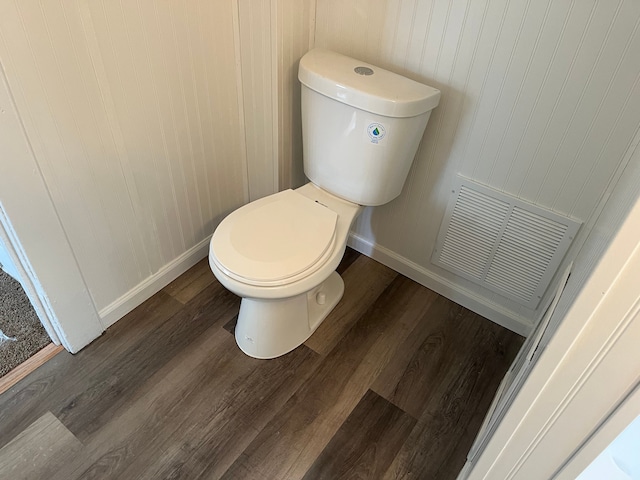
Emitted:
pixel 500 242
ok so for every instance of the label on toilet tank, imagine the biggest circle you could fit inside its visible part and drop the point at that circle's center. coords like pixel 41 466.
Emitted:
pixel 376 133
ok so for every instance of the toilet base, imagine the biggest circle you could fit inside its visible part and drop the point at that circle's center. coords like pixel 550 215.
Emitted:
pixel 270 328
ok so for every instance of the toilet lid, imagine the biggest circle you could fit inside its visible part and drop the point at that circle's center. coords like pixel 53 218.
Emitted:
pixel 274 238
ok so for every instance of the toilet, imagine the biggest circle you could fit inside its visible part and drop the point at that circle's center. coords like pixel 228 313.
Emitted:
pixel 361 126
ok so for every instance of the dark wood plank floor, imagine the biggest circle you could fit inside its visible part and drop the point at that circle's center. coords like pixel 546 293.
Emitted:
pixel 393 385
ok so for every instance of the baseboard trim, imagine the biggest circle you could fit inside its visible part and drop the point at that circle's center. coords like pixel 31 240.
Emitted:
pixel 153 284
pixel 506 318
pixel 444 287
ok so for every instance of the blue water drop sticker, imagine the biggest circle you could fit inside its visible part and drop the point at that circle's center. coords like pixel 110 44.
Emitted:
pixel 376 132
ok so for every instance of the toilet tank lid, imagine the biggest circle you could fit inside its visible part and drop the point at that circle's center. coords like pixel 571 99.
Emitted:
pixel 365 86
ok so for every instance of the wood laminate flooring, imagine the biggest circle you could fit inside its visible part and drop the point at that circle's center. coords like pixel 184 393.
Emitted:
pixel 393 385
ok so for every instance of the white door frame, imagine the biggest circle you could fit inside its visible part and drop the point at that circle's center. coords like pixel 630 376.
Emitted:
pixel 36 240
pixel 590 365
pixel 19 261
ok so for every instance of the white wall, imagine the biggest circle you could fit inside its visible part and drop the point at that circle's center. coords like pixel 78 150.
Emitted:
pixel 150 121
pixel 295 35
pixel 273 36
pixel 539 100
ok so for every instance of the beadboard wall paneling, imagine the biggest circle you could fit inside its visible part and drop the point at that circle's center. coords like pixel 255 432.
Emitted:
pixel 295 31
pixel 256 29
pixel 273 35
pixel 539 100
pixel 132 112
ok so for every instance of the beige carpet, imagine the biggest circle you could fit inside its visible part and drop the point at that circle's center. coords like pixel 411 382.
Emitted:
pixel 17 320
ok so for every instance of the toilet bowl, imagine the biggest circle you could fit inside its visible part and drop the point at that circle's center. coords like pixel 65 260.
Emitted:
pixel 279 254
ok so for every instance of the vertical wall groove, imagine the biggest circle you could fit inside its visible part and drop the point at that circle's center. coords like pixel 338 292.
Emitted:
pixel 613 126
pixel 502 86
pixel 521 89
pixel 577 105
pixel 552 163
pixel 293 38
pixel 557 99
pixel 165 152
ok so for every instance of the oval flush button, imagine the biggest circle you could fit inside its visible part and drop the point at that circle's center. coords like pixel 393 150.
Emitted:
pixel 363 71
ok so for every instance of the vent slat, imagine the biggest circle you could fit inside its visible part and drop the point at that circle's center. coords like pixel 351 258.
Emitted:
pixel 513 277
pixel 467 205
pixel 520 258
pixel 473 198
pixel 463 259
pixel 516 253
pixel 475 239
pixel 470 197
pixel 476 251
pixel 477 217
pixel 519 264
pixel 478 255
pixel 487 210
pixel 501 242
pixel 524 250
pixel 526 230
pixel 477 258
pixel 537 230
pixel 513 282
pixel 472 225
pixel 513 290
pixel 467 268
pixel 532 218
pixel 530 242
pixel 488 199
pixel 550 227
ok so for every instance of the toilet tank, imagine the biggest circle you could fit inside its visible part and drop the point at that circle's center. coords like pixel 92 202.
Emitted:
pixel 361 126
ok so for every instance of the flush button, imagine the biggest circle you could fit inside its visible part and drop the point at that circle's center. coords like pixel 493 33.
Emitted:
pixel 363 71
pixel 321 297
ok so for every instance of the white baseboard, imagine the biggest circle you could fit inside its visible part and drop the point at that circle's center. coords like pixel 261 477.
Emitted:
pixel 506 318
pixel 444 287
pixel 153 284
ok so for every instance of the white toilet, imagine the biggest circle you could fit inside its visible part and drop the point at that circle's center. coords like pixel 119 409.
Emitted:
pixel 361 128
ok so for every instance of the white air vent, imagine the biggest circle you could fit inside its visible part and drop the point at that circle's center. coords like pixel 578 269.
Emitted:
pixel 501 242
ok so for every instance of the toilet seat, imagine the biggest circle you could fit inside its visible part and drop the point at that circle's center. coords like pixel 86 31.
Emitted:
pixel 276 240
